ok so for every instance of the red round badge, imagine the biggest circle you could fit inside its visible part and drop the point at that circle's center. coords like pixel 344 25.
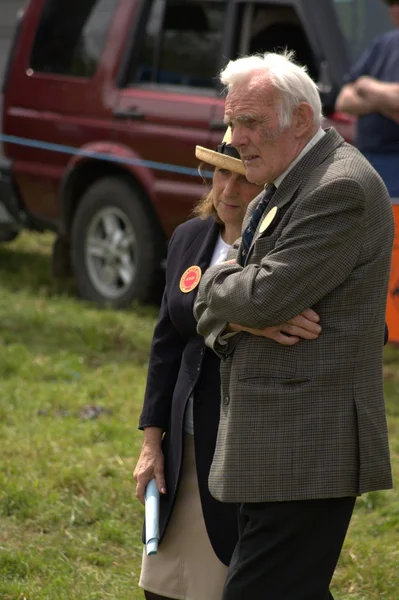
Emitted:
pixel 190 279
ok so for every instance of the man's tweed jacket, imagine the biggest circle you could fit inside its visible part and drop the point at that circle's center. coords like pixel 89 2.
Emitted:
pixel 306 421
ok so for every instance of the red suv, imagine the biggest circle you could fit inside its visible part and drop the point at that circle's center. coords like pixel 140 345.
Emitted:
pixel 104 102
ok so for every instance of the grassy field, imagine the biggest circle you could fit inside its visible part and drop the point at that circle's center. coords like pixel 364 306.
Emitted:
pixel 71 387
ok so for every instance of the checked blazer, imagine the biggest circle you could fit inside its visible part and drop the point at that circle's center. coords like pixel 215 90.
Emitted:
pixel 305 421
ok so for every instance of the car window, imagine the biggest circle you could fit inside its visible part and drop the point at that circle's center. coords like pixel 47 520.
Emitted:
pixel 182 44
pixel 71 36
pixel 273 28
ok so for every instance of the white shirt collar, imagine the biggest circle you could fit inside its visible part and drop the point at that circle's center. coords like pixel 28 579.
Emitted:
pixel 316 138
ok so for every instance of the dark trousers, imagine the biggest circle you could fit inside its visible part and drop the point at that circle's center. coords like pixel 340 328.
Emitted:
pixel 287 550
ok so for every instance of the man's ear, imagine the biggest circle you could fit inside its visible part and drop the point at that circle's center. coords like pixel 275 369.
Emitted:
pixel 303 118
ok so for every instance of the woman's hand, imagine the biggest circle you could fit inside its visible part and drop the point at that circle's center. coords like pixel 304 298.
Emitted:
pixel 305 326
pixel 150 463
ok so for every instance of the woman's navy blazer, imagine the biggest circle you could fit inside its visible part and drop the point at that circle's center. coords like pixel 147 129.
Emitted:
pixel 180 364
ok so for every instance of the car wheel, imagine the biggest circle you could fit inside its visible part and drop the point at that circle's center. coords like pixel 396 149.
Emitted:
pixel 116 249
pixel 61 265
pixel 8 235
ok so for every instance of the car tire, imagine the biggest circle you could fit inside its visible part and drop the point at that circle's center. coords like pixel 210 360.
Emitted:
pixel 116 247
pixel 61 265
pixel 8 235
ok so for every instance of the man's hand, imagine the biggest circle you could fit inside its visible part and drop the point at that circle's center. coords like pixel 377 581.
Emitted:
pixel 305 326
pixel 150 463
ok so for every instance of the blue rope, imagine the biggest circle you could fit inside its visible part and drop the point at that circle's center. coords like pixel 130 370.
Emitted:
pixel 19 141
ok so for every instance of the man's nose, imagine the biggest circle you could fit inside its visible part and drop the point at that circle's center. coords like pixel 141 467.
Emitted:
pixel 237 137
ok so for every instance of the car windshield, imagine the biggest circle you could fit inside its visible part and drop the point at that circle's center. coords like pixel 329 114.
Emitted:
pixel 362 21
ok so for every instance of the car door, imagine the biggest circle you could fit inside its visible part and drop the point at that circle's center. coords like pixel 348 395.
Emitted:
pixel 54 98
pixel 167 97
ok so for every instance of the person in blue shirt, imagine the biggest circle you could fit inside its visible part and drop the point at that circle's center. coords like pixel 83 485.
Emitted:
pixel 371 92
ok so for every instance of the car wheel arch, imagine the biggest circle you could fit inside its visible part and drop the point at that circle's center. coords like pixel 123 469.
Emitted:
pixel 81 174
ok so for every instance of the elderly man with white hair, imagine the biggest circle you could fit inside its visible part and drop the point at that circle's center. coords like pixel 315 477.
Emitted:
pixel 302 429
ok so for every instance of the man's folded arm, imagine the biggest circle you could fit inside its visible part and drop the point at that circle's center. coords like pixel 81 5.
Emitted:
pixel 213 330
pixel 316 252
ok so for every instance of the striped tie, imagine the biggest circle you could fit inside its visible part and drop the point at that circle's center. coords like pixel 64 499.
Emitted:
pixel 249 232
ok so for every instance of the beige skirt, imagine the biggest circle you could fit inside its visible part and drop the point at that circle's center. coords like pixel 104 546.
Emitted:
pixel 186 566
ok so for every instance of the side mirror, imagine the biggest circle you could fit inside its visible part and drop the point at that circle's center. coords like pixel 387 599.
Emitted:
pixel 324 84
pixel 327 91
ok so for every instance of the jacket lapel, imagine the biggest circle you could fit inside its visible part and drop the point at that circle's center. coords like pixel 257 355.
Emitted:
pixel 199 254
pixel 200 249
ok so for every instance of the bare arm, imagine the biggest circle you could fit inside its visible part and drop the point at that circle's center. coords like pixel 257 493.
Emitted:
pixel 384 95
pixel 350 101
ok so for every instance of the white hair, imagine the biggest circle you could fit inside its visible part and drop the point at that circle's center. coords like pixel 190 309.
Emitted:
pixel 291 81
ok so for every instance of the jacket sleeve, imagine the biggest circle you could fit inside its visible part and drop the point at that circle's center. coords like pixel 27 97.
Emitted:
pixel 210 326
pixel 165 357
pixel 315 253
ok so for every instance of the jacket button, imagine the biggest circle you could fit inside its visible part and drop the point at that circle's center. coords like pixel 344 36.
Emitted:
pixel 226 400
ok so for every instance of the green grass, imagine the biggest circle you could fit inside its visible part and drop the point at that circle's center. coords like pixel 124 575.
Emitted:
pixel 69 522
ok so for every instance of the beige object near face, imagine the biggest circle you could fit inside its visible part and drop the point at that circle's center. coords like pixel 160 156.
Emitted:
pixel 219 159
